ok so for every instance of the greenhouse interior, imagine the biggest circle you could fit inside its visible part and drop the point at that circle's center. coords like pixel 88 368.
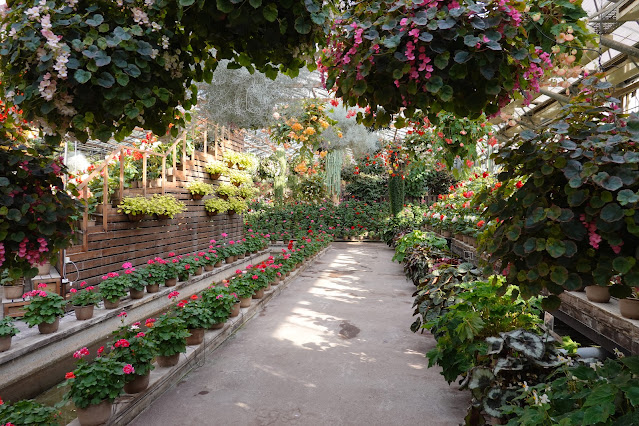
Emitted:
pixel 319 212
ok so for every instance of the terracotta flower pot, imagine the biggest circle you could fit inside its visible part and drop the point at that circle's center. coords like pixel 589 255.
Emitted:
pixel 196 337
pixel 164 217
pixel 136 294
pixel 215 176
pixel 13 291
pixel 276 281
pixel 217 326
pixel 236 309
pixel 83 313
pixel 170 282
pixel 245 302
pixel 229 259
pixel 46 328
pixel 629 308
pixel 168 360
pixel 268 288
pixel 136 217
pixel 111 305
pixel 208 268
pixel 598 294
pixel 152 288
pixel 138 384
pixel 218 264
pixel 198 271
pixel 241 256
pixel 5 343
pixel 258 294
pixel 197 196
pixel 95 415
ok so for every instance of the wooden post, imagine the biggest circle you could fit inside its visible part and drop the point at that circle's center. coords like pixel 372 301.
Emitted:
pixel 144 173
pixel 174 161
pixel 121 193
pixel 223 140
pixel 215 141
pixel 105 198
pixel 184 152
pixel 163 174
pixel 85 220
pixel 206 151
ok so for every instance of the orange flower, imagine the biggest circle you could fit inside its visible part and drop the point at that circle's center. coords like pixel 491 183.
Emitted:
pixel 297 127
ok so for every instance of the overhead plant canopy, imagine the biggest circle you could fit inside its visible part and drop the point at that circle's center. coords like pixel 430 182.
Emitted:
pixel 468 58
pixel 98 69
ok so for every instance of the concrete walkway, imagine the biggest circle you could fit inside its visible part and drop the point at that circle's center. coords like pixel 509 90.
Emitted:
pixel 334 348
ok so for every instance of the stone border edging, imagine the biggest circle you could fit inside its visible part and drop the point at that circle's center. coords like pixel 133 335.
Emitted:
pixel 128 407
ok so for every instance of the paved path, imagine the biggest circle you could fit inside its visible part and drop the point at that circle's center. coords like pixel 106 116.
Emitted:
pixel 334 348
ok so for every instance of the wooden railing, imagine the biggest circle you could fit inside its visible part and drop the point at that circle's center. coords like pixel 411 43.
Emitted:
pixel 220 134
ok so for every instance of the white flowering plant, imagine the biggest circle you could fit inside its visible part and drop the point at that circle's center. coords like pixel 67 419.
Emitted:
pixel 96 69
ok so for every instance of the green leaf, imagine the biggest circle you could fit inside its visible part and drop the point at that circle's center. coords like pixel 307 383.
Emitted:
pixel 270 12
pixel 224 6
pixel 255 3
pixel 555 248
pixel 623 265
pixel 434 84
pixel 441 60
pixel 611 213
pixel 82 76
pixel 626 196
pixel 551 303
pixel 105 80
pixel 14 215
pixel 446 93
pixel 360 87
pixel 302 26
pixel 461 56
pixel 558 274
pixel 95 20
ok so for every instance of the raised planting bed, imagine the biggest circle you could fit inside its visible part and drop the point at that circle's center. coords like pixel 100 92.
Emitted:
pixel 37 362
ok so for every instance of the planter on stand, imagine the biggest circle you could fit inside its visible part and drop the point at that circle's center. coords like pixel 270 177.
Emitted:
pixel 83 313
pixel 44 269
pixel 95 415
pixel 13 291
pixel 196 337
pixel 46 328
pixel 598 294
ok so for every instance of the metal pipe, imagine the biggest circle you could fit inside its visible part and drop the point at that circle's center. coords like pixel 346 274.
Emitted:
pixel 623 48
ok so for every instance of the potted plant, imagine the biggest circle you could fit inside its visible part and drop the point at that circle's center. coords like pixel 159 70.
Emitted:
pixel 568 219
pixel 169 334
pixel 598 293
pixel 13 288
pixel 172 269
pixel 237 205
pixel 7 331
pixel 84 301
pixel 214 206
pixel 44 311
pixel 238 178
pixel 231 158
pixel 28 412
pixel 216 169
pixel 199 189
pixel 156 274
pixel 166 206
pixel 220 302
pixel 114 287
pixel 93 386
pixel 246 191
pixel 136 208
pixel 137 281
pixel 245 161
pixel 131 346
pixel 196 316
pixel 629 307
pixel 225 190
pixel 243 289
pixel 210 259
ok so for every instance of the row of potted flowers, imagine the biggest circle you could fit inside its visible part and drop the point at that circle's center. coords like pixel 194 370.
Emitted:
pixel 125 363
pixel 45 309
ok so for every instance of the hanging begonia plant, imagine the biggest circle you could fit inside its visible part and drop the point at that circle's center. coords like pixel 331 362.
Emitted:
pixel 100 68
pixel 303 125
pixel 463 56
pixel 567 200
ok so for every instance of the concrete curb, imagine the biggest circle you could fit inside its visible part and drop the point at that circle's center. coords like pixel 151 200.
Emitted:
pixel 128 407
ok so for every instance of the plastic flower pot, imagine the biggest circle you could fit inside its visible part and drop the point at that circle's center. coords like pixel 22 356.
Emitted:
pixel 46 328
pixel 276 281
pixel 83 313
pixel 208 268
pixel 236 309
pixel 170 282
pixel 198 271
pixel 152 288
pixel 111 305
pixel 138 384
pixel 629 308
pixel 44 269
pixel 136 294
pixel 5 343
pixel 598 294
pixel 167 360
pixel 13 291
pixel 218 264
pixel 94 415
pixel 230 259
pixel 258 294
pixel 245 302
pixel 196 337
pixel 217 326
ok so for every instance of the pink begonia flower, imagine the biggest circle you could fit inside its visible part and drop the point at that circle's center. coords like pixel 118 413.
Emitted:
pixel 128 369
pixel 127 265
